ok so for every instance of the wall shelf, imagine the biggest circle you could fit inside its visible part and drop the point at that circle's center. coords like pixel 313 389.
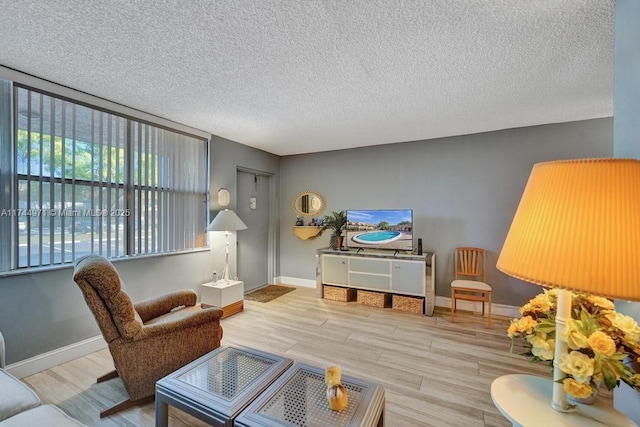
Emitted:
pixel 306 232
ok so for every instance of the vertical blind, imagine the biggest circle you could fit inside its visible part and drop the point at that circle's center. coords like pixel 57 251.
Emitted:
pixel 90 181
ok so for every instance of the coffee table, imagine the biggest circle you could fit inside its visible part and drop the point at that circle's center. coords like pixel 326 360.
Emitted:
pixel 297 398
pixel 218 385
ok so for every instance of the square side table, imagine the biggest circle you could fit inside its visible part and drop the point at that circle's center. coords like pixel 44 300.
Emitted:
pixel 297 398
pixel 227 295
pixel 218 385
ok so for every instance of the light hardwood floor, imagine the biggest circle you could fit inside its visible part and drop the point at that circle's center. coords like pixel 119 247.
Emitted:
pixel 435 373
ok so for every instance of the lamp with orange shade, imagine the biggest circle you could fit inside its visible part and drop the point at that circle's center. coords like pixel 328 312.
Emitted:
pixel 577 228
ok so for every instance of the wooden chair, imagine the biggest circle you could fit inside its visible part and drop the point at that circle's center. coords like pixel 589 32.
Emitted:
pixel 470 262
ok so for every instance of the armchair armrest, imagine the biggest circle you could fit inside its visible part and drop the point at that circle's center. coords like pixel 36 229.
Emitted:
pixel 154 307
pixel 205 315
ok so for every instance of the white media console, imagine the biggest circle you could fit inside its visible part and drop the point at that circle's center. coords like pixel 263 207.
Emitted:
pixel 402 274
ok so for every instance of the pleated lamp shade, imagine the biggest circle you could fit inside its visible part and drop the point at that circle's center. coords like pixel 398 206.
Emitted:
pixel 578 228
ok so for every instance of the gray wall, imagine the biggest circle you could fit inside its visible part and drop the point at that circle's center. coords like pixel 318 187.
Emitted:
pixel 626 127
pixel 227 157
pixel 40 312
pixel 463 191
pixel 626 143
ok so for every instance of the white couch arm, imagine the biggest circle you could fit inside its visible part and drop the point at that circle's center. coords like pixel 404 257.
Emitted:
pixel 1 351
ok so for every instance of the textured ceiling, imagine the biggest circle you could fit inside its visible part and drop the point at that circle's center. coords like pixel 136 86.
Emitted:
pixel 303 76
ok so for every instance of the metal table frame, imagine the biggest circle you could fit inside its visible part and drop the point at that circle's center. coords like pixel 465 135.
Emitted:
pixel 297 398
pixel 190 388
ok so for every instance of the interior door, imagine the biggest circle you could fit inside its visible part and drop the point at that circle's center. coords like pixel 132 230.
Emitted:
pixel 253 243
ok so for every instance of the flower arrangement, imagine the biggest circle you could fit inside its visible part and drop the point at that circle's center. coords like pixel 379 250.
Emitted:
pixel 602 342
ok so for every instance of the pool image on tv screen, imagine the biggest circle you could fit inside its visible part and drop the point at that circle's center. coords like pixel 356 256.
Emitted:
pixel 380 229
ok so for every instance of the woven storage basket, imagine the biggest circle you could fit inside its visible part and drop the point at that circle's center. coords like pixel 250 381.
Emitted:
pixel 374 299
pixel 409 304
pixel 339 294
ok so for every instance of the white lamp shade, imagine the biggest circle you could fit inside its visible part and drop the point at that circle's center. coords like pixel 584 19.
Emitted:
pixel 226 220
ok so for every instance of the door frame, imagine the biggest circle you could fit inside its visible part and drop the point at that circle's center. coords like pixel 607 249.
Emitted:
pixel 272 229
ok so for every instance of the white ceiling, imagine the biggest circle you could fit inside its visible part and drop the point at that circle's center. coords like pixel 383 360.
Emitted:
pixel 303 76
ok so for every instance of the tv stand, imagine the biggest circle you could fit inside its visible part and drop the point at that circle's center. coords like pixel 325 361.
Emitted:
pixel 393 273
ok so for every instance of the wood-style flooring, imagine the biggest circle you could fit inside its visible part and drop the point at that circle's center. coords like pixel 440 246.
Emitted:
pixel 435 373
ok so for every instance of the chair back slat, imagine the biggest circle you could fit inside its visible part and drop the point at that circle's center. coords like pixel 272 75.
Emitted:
pixel 469 262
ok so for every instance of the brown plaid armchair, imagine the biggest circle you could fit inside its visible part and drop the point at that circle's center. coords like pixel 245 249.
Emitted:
pixel 150 339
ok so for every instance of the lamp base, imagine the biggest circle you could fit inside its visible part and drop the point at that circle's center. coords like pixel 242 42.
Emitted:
pixel 525 400
pixel 564 407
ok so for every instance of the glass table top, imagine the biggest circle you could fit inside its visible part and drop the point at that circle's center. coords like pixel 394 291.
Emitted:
pixel 228 373
pixel 302 402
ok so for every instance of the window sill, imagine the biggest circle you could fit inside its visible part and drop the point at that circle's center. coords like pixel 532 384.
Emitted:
pixel 43 269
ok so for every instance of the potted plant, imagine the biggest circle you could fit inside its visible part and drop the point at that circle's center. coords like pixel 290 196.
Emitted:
pixel 336 222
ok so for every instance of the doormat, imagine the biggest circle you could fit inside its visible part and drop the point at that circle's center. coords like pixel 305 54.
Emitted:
pixel 268 293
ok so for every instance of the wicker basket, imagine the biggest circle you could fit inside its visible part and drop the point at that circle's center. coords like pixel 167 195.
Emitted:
pixel 374 299
pixel 336 293
pixel 408 304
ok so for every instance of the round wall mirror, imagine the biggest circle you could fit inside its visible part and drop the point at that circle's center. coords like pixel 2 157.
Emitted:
pixel 309 203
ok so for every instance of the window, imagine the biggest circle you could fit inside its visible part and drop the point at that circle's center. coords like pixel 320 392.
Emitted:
pixel 91 181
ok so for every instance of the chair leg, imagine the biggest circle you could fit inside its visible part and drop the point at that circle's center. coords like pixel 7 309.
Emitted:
pixel 453 303
pixel 489 310
pixel 125 404
pixel 107 376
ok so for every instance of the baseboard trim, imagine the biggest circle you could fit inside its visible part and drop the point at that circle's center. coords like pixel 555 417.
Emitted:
pixel 56 357
pixel 305 283
pixel 476 307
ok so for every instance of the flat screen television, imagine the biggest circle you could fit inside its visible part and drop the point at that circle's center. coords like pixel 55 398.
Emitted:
pixel 390 229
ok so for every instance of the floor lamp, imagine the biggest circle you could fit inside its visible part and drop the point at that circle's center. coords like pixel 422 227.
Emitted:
pixel 226 221
pixel 577 228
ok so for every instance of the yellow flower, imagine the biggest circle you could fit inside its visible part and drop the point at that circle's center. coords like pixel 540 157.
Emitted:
pixel 578 365
pixel 512 330
pixel 573 337
pixel 524 325
pixel 602 343
pixel 541 347
pixel 576 389
pixel 601 302
pixel 538 304
pixel 541 303
pixel 626 324
pixel 527 308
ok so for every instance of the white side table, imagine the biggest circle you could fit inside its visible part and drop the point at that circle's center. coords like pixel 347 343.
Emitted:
pixel 526 401
pixel 227 295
